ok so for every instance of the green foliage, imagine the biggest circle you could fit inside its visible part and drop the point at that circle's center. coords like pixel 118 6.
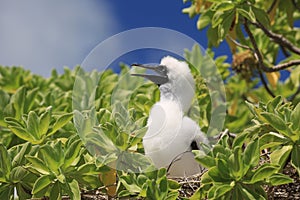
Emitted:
pixel 40 152
pixel 284 139
pixel 153 185
pixel 266 20
pixel 234 171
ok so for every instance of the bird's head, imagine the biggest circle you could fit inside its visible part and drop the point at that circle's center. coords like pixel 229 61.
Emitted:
pixel 174 79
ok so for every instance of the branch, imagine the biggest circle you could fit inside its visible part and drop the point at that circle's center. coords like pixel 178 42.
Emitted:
pixel 284 51
pixel 239 44
pixel 285 65
pixel 259 58
pixel 272 6
pixel 279 39
pixel 296 5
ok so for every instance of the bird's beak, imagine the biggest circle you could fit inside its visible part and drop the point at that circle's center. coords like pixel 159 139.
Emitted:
pixel 161 71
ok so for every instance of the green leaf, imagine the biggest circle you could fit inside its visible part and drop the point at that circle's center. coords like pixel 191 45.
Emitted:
pixel 129 184
pixel 19 158
pixel 222 190
pixel 280 156
pixel 236 163
pixel 261 16
pixel 173 195
pixel 278 123
pixel 73 189
pixel 204 19
pixel 18 99
pixel 42 185
pixel 213 38
pixel 217 19
pixel 295 159
pixel 38 165
pixel 72 153
pixel 247 12
pixel 205 160
pixel 55 193
pixel 263 172
pixel 6 191
pixel 45 122
pixel 224 6
pixel 272 139
pixel 173 185
pixel 222 166
pixel 295 116
pixel 33 125
pixel 51 157
pixel 60 122
pixel 215 174
pixel 252 154
pixel 5 162
pixel 245 193
pixel 280 179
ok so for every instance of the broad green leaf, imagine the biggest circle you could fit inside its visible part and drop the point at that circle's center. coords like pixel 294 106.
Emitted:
pixel 222 166
pixel 6 191
pixel 45 122
pixel 22 133
pixel 72 153
pixel 173 195
pixel 247 12
pixel 278 123
pixel 173 185
pixel 22 192
pixel 246 194
pixel 55 193
pixel 272 139
pixel 204 19
pixel 18 99
pixel 222 190
pixel 73 189
pixel 224 6
pixel 60 122
pixel 214 173
pixel 17 174
pixel 263 172
pixel 252 154
pixel 295 116
pixel 87 169
pixel 279 179
pixel 129 184
pixel 33 125
pixel 280 156
pixel 261 16
pixel 295 159
pixel 19 158
pixel 5 162
pixel 38 165
pixel 51 158
pixel 235 163
pixel 217 19
pixel 205 161
pixel 30 99
pixel 213 38
pixel 42 185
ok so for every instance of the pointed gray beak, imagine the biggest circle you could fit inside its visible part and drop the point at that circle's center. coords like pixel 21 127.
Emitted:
pixel 159 79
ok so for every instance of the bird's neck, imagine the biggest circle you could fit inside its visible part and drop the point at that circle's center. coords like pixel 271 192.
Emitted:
pixel 182 96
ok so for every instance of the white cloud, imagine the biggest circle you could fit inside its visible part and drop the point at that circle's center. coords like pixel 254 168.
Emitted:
pixel 45 34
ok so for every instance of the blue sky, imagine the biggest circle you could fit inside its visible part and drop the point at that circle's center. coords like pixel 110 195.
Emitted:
pixel 45 34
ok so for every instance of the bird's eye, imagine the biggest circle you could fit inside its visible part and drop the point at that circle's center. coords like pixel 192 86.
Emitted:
pixel 162 68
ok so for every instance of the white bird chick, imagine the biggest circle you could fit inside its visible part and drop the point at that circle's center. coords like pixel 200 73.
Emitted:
pixel 171 136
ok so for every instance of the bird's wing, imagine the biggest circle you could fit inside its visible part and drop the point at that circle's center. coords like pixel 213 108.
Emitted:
pixel 193 132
